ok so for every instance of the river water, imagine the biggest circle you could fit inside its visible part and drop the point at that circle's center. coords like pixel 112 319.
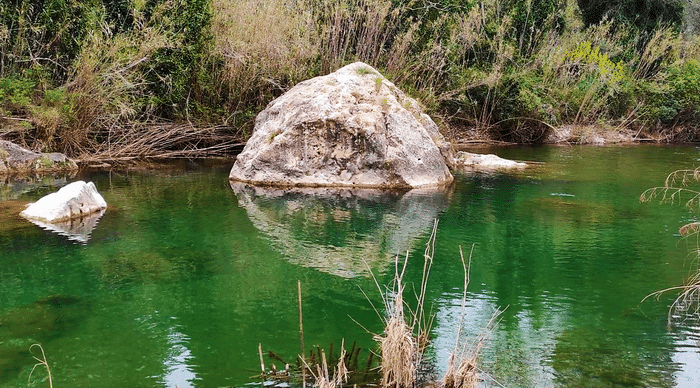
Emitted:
pixel 185 275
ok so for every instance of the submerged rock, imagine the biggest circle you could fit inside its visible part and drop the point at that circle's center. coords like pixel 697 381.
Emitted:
pixel 351 128
pixel 75 200
pixel 17 160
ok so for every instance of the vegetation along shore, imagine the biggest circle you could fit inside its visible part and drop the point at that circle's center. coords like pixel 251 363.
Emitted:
pixel 124 79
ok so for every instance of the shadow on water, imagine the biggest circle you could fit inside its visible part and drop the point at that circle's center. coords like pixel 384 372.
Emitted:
pixel 333 229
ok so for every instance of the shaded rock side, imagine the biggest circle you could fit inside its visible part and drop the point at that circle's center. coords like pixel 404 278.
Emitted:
pixel 17 160
pixel 351 128
pixel 74 200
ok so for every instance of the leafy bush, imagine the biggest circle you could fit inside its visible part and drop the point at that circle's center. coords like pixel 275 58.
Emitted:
pixel 684 80
pixel 16 94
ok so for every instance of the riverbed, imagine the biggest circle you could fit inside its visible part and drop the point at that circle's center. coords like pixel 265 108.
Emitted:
pixel 185 275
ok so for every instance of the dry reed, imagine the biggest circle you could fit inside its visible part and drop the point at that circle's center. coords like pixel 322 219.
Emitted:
pixel 322 377
pixel 41 362
pixel 676 190
pixel 399 348
pixel 462 366
pixel 156 141
pixel 405 336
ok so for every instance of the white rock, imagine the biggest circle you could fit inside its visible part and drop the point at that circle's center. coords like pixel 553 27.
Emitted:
pixel 351 128
pixel 74 200
pixel 484 162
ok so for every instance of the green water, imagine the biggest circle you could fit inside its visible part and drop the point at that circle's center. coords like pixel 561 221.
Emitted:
pixel 185 275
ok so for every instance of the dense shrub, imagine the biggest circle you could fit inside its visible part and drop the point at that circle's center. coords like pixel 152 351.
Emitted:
pixel 509 69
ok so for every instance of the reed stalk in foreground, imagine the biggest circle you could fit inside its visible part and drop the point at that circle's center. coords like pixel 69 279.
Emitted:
pixel 405 336
pixel 676 190
pixel 322 377
pixel 41 361
pixel 462 366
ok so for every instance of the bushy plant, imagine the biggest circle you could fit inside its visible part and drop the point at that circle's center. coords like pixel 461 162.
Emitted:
pixel 684 79
pixel 15 94
pixel 43 32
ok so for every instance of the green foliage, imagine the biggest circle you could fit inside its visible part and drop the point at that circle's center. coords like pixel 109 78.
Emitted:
pixel 587 56
pixel 533 19
pixel 684 79
pixel 510 69
pixel 174 71
pixel 644 15
pixel 16 94
pixel 118 15
pixel 46 32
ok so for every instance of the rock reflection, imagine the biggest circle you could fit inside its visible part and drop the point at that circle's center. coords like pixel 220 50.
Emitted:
pixel 334 229
pixel 13 187
pixel 76 229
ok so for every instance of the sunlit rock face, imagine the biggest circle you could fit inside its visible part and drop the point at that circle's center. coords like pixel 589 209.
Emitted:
pixel 344 232
pixel 74 200
pixel 351 128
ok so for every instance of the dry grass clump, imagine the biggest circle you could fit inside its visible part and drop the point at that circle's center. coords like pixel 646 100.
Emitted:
pixel 263 46
pixel 399 347
pixel 405 336
pixel 322 377
pixel 165 140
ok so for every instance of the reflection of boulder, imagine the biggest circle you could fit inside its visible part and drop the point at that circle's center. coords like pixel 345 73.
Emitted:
pixel 334 229
pixel 75 200
pixel 76 229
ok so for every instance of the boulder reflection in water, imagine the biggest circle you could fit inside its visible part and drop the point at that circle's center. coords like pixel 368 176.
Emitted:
pixel 373 225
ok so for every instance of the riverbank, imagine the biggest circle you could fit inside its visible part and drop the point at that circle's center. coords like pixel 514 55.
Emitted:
pixel 508 72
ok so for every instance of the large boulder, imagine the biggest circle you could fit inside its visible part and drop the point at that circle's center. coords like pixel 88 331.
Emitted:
pixel 17 160
pixel 351 128
pixel 74 200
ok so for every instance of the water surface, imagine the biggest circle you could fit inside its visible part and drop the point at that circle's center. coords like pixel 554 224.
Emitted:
pixel 185 275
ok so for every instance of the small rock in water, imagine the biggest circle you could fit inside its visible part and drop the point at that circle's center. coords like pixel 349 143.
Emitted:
pixel 75 200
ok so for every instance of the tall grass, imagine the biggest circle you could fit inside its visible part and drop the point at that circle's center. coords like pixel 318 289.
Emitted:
pixel 502 70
